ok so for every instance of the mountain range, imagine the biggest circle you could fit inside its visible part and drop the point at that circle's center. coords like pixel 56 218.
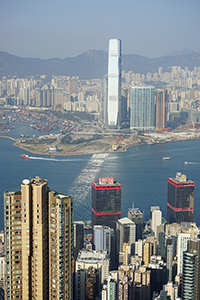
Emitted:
pixel 91 64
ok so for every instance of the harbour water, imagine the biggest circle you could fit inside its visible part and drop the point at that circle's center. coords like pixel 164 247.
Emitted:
pixel 141 172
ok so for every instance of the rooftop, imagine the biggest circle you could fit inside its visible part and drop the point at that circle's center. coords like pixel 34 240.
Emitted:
pixel 126 221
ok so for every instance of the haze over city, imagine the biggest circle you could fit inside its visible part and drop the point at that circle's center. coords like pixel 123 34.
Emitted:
pixel 47 29
pixel 99 144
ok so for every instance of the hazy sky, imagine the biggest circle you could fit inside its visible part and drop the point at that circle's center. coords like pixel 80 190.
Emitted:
pixel 63 28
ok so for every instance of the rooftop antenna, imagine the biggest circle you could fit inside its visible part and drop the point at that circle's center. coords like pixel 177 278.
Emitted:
pixel 133 209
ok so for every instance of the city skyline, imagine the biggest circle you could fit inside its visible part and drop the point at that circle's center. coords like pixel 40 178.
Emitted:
pixel 79 26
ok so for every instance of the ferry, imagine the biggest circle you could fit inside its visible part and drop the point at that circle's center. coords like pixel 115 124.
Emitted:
pixel 24 156
pixel 166 158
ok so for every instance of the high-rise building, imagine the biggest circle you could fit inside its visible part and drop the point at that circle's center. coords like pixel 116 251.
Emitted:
pixel 156 221
pixel 124 100
pixel 142 108
pixel 147 252
pixel 86 259
pixel 2 271
pixel 125 229
pixel 191 271
pixel 160 109
pixel 78 237
pixel 60 246
pixel 181 247
pixel 102 238
pixel 180 204
pixel 26 232
pixel 106 202
pixel 114 81
pixel 169 248
pixel 104 96
pixel 136 216
pixel 38 237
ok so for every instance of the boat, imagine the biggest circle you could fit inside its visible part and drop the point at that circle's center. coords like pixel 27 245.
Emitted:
pixel 186 162
pixel 166 158
pixel 24 156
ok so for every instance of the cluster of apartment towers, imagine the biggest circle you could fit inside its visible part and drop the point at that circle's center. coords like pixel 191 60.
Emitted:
pixel 48 256
pixel 142 111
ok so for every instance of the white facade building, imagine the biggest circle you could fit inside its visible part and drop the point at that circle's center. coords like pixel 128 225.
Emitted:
pixel 181 247
pixel 126 229
pixel 156 221
pixel 102 238
pixel 114 81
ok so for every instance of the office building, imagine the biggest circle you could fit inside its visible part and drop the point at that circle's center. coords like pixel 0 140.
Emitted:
pixel 104 102
pixel 38 242
pixel 169 248
pixel 78 237
pixel 160 109
pixel 114 82
pixel 124 108
pixel 142 108
pixel 102 238
pixel 191 271
pixel 136 216
pixel 106 202
pixel 180 204
pixel 161 242
pixel 156 221
pixel 125 229
pixel 181 247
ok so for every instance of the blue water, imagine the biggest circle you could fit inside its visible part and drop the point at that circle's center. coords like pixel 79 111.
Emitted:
pixel 141 172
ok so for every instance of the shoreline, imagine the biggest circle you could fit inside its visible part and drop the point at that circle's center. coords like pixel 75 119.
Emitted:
pixel 84 152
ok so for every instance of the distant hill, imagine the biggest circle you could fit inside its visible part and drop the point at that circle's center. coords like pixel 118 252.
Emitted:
pixel 91 64
pixel 180 52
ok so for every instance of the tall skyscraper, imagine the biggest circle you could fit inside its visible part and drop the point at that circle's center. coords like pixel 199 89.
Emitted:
pixel 60 246
pixel 180 204
pixel 142 108
pixel 114 82
pixel 106 202
pixel 160 109
pixel 191 271
pixel 38 242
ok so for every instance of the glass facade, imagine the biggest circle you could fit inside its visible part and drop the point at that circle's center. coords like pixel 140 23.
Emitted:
pixel 142 108
pixel 180 206
pixel 114 81
pixel 106 204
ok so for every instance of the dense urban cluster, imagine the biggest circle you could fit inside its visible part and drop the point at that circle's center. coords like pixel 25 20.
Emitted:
pixel 139 101
pixel 47 255
pixel 44 253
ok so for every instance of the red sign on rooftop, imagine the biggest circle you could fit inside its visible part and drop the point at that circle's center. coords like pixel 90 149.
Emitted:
pixel 106 180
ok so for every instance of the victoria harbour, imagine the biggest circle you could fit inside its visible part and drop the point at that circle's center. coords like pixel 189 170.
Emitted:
pixel 141 172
